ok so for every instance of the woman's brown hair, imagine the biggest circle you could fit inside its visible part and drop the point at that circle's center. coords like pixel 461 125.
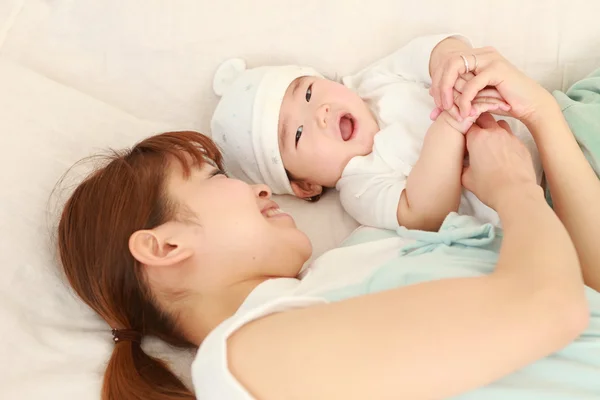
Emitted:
pixel 126 195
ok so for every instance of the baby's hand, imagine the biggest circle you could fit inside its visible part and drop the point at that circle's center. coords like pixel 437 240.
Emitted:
pixel 452 117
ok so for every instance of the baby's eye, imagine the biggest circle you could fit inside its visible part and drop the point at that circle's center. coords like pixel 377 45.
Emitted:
pixel 298 134
pixel 308 93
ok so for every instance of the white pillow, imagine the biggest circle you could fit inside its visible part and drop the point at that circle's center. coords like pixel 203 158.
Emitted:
pixel 48 349
pixel 46 128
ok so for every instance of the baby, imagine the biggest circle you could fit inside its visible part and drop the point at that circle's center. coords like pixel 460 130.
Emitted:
pixel 370 136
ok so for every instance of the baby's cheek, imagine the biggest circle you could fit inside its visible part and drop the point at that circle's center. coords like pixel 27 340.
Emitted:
pixel 319 163
pixel 332 166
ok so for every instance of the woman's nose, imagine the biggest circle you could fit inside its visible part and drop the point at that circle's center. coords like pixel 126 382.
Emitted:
pixel 262 191
pixel 322 115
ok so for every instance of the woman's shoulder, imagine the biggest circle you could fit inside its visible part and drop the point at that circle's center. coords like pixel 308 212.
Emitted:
pixel 351 262
pixel 365 234
pixel 211 376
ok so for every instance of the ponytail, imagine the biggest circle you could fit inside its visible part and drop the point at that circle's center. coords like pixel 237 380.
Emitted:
pixel 131 374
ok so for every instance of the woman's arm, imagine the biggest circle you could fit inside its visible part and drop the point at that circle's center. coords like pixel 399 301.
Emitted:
pixel 435 339
pixel 575 187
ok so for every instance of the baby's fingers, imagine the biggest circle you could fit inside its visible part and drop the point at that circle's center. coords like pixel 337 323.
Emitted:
pixel 480 107
pixel 453 110
pixel 502 105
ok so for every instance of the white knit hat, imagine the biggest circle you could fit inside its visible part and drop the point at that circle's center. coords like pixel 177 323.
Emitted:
pixel 245 123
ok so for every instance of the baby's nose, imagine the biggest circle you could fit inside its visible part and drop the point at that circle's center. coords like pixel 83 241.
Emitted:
pixel 322 115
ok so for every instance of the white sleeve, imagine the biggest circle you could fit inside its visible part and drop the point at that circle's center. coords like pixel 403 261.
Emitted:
pixel 370 191
pixel 410 62
pixel 210 372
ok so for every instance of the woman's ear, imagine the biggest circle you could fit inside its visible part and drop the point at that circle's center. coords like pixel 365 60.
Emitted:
pixel 305 190
pixel 165 245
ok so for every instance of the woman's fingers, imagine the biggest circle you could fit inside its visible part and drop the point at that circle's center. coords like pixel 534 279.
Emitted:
pixel 486 121
pixel 497 159
pixel 489 92
pixel 434 90
pixel 462 81
pixel 455 67
pixel 472 87
pixel 522 95
pixel 484 95
pixel 453 70
pixel 454 113
pixel 502 105
pixel 504 125
pixel 435 113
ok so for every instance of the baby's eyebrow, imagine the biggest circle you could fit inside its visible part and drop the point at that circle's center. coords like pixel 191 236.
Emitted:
pixel 296 85
pixel 283 129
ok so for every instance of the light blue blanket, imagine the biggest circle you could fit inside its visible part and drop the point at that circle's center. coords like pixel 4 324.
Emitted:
pixel 581 107
pixel 462 248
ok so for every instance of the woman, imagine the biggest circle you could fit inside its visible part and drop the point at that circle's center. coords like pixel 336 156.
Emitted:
pixel 160 242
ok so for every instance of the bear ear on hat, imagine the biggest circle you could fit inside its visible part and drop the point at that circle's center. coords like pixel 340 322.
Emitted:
pixel 227 73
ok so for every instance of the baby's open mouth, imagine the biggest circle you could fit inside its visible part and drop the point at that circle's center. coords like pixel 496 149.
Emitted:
pixel 347 127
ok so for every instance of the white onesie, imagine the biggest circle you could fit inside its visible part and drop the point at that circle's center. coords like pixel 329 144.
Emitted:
pixel 396 90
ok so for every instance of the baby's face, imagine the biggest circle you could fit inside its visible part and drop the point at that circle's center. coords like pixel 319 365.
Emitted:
pixel 322 125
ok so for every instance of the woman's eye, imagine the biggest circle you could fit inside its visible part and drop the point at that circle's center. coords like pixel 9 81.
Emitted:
pixel 219 172
pixel 298 134
pixel 308 93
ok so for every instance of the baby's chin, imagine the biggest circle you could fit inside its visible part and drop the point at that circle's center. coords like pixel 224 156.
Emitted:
pixel 365 134
pixel 333 179
pixel 364 144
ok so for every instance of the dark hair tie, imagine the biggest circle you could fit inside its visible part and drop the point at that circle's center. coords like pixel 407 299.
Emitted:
pixel 314 198
pixel 126 335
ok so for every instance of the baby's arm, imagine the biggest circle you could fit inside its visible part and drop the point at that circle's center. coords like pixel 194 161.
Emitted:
pixel 433 187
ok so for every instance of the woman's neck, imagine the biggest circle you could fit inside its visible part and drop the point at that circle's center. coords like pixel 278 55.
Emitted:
pixel 205 312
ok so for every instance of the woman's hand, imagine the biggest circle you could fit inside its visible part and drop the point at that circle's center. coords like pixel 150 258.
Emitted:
pixel 487 96
pixel 499 162
pixel 448 56
pixel 443 57
pixel 523 94
pixel 444 53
